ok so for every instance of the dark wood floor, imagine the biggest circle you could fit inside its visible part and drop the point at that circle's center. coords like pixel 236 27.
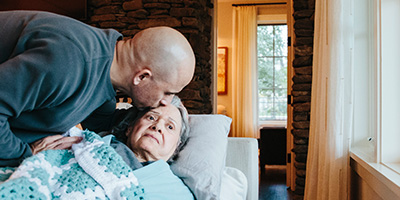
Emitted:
pixel 273 184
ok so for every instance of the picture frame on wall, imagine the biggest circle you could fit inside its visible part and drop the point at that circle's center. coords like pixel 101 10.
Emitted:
pixel 222 80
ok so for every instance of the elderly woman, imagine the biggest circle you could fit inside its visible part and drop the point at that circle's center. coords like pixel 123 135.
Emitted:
pixel 93 170
pixel 141 137
pixel 151 134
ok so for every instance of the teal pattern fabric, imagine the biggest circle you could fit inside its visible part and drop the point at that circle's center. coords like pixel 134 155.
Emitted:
pixel 90 170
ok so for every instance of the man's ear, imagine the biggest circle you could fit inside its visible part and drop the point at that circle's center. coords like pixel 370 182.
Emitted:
pixel 141 76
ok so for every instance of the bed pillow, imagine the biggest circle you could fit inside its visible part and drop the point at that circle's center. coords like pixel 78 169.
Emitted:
pixel 202 160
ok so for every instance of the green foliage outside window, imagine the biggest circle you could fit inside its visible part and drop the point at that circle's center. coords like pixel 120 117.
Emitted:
pixel 272 72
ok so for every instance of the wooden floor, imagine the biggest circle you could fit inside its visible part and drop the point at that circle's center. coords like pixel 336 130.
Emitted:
pixel 273 184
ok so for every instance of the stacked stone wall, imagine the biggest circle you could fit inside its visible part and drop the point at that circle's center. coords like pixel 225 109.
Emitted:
pixel 301 88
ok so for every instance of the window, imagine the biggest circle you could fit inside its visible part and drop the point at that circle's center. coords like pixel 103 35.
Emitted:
pixel 377 111
pixel 389 84
pixel 365 91
pixel 376 107
pixel 272 73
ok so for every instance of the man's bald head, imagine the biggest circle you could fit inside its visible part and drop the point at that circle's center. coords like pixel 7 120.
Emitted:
pixel 160 63
pixel 165 50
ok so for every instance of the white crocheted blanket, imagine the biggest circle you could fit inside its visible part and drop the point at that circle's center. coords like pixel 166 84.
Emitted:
pixel 90 170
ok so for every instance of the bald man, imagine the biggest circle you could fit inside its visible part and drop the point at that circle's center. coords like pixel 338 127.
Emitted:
pixel 163 64
pixel 56 72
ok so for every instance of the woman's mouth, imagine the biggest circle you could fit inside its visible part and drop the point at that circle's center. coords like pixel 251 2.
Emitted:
pixel 151 136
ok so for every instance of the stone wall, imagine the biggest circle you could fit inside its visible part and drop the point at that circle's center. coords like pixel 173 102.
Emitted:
pixel 193 18
pixel 301 89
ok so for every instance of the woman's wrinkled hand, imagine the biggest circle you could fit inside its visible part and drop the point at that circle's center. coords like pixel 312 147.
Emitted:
pixel 54 142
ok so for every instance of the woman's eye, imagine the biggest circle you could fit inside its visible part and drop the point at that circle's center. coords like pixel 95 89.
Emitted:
pixel 150 117
pixel 170 127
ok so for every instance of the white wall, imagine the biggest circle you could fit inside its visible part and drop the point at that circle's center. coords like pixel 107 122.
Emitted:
pixel 224 31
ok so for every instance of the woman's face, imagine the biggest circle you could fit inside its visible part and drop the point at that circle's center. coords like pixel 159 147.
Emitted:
pixel 155 136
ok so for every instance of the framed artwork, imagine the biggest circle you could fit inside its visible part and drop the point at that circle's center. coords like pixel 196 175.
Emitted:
pixel 222 70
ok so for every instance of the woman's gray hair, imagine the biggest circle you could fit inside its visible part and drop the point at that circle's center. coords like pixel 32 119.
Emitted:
pixel 133 115
pixel 176 101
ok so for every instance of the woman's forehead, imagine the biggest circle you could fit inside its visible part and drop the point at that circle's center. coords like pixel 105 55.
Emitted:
pixel 168 111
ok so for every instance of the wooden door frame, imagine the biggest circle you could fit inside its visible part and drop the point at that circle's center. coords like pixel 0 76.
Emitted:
pixel 290 169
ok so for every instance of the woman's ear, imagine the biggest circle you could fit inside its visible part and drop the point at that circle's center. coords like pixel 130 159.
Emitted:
pixel 142 75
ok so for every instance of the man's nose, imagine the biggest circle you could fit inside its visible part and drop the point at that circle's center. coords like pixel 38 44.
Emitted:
pixel 166 100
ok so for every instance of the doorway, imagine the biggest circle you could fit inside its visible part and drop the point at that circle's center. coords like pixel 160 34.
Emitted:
pixel 277 15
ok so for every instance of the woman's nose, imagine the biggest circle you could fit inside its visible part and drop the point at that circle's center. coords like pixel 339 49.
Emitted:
pixel 156 128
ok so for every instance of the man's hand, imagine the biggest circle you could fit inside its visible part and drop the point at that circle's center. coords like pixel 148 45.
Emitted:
pixel 53 142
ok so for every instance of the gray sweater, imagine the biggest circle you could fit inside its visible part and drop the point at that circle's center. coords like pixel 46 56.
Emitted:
pixel 54 72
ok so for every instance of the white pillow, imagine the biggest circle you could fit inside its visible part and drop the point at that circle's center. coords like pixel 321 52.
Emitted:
pixel 202 160
pixel 233 184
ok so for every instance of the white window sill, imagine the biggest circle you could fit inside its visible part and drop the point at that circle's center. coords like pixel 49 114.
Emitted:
pixel 272 124
pixel 394 166
pixel 384 180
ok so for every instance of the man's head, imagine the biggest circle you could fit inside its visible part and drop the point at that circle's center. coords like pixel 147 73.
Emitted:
pixel 160 63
